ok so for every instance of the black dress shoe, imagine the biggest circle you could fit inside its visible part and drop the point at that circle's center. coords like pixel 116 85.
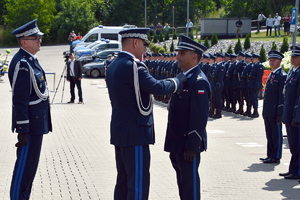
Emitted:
pixel 292 176
pixel 271 160
pixel 262 159
pixel 284 174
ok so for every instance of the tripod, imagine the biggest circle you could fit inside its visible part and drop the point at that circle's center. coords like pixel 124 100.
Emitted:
pixel 61 76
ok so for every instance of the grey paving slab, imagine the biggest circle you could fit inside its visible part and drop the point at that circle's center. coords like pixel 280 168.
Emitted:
pixel 77 160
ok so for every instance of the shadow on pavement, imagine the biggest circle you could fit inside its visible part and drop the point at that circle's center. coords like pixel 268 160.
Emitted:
pixel 261 167
pixel 286 186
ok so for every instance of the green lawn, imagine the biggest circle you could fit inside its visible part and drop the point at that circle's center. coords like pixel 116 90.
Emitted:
pixel 262 37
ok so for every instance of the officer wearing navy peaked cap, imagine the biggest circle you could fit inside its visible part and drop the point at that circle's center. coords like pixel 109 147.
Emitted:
pixel 188 113
pixel 130 88
pixel 254 84
pixel 30 108
pixel 291 114
pixel 273 108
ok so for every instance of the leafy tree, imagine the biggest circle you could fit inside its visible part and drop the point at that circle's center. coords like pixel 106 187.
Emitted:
pixel 81 10
pixel 262 54
pixel 191 35
pixel 229 50
pixel 172 47
pixel 238 46
pixel 247 43
pixel 274 46
pixel 206 43
pixel 285 45
pixel 214 39
pixel 19 14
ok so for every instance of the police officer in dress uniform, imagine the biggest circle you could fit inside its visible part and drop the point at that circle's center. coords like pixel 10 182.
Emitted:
pixel 244 82
pixel 132 126
pixel 237 82
pixel 217 84
pixel 225 93
pixel 291 114
pixel 273 107
pixel 188 114
pixel 205 65
pixel 255 83
pixel 30 108
pixel 229 79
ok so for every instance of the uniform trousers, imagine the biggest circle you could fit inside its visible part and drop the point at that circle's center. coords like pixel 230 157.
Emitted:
pixel 274 137
pixel 25 168
pixel 188 179
pixel 133 178
pixel 293 134
pixel 73 82
pixel 246 95
pixel 218 99
pixel 253 92
pixel 238 96
pixel 231 95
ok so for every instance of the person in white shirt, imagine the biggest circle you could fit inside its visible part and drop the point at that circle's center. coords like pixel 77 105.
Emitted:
pixel 277 20
pixel 260 18
pixel 269 24
pixel 189 25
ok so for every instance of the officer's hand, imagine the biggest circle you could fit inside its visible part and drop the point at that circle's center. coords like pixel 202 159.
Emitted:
pixel 23 139
pixel 182 78
pixel 279 120
pixel 294 123
pixel 189 155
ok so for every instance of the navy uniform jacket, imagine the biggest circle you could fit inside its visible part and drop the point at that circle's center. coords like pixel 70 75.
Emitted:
pixel 217 77
pixel 31 110
pixel 244 75
pixel 205 68
pixel 273 97
pixel 229 74
pixel 239 67
pixel 291 109
pixel 188 114
pixel 255 76
pixel 128 126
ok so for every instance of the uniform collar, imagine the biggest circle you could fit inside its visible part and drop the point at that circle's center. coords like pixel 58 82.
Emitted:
pixel 126 52
pixel 185 73
pixel 33 56
pixel 279 68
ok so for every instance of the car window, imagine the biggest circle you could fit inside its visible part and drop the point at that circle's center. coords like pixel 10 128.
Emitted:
pixel 101 47
pixel 112 46
pixel 92 38
pixel 110 36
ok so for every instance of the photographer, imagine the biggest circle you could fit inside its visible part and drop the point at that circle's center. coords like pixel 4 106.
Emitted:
pixel 74 76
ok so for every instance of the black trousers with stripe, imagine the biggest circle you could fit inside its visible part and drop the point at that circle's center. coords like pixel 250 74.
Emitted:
pixel 25 168
pixel 274 137
pixel 133 178
pixel 188 179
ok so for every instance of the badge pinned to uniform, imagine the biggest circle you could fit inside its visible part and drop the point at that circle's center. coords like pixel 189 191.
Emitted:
pixel 200 91
pixel 42 78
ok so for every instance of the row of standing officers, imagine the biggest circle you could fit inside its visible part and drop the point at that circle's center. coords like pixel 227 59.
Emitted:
pixel 233 78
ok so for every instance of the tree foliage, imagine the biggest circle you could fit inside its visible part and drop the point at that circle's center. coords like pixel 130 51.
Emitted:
pixel 285 45
pixel 247 43
pixel 206 43
pixel 262 53
pixel 238 47
pixel 214 39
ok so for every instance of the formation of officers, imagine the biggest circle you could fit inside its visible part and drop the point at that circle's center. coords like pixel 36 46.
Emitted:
pixel 235 80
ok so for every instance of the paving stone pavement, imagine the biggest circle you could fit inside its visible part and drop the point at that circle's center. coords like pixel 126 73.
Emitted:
pixel 77 160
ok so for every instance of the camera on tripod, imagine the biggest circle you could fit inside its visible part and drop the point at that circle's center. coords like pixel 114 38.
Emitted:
pixel 66 56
